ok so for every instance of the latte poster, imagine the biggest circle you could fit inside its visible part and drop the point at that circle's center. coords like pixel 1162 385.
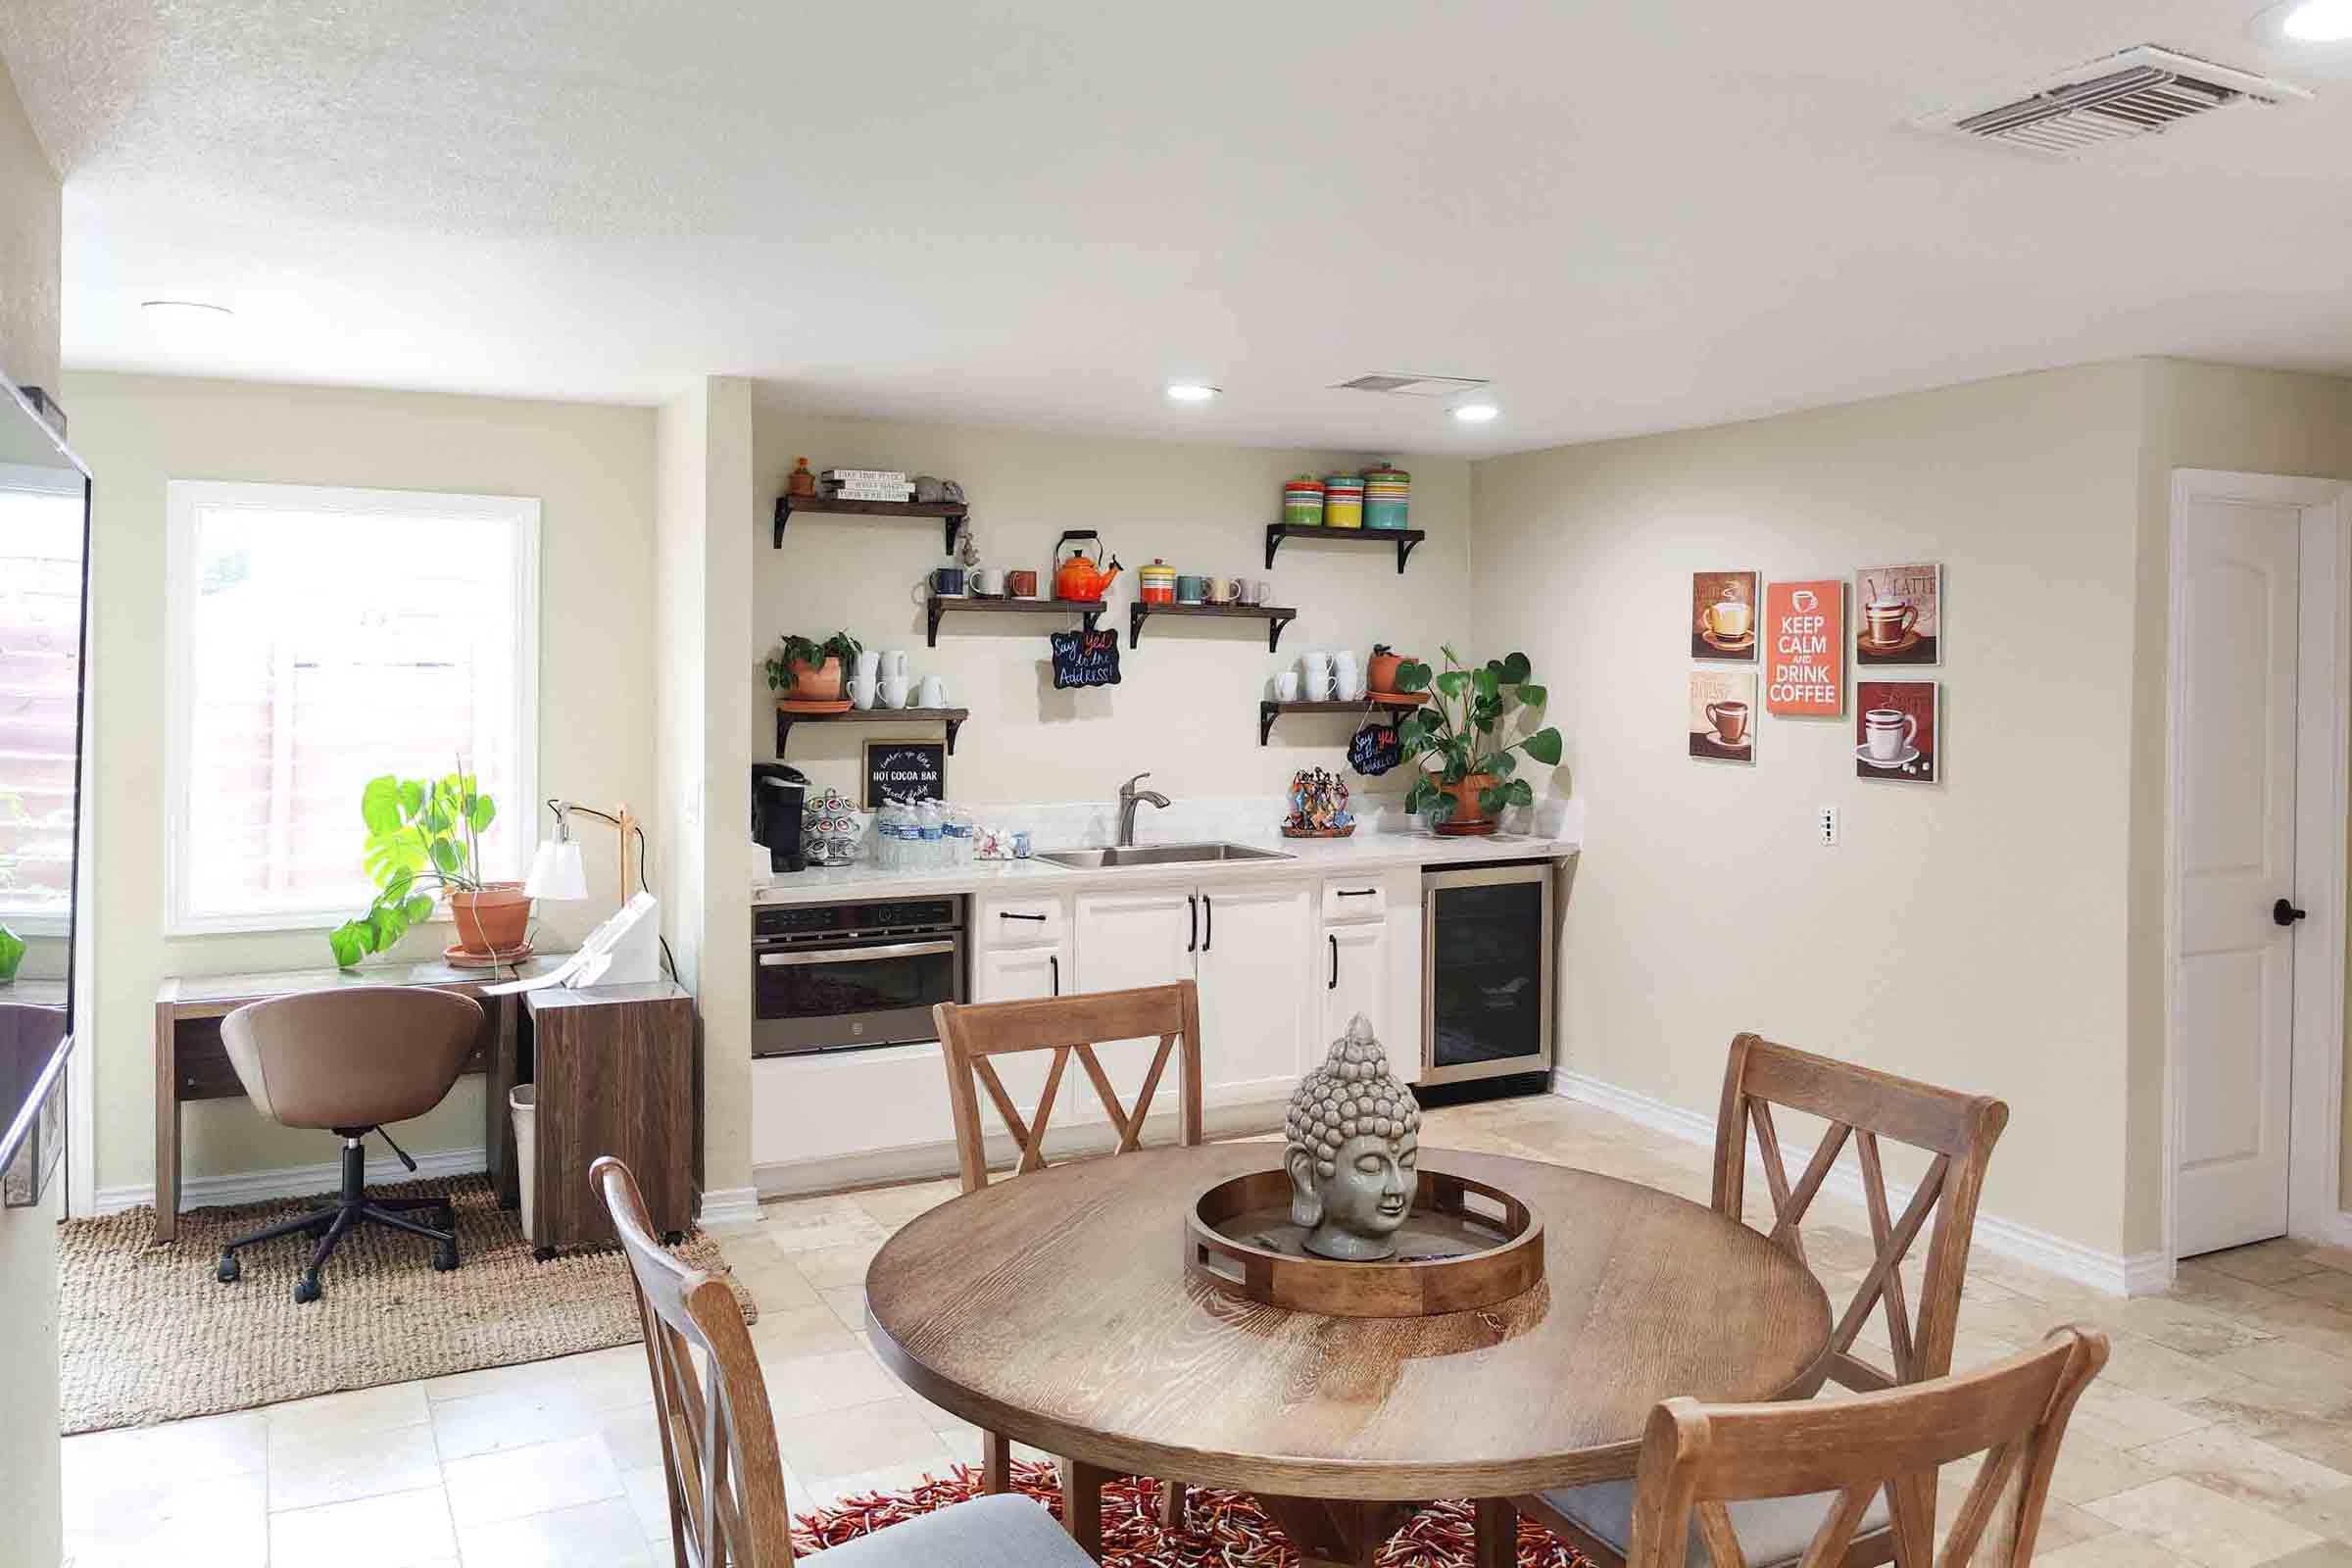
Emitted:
pixel 1898 616
pixel 1723 617
pixel 1804 649
pixel 1899 735
pixel 1722 721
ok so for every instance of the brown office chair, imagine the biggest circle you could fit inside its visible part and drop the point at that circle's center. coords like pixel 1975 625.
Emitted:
pixel 350 1063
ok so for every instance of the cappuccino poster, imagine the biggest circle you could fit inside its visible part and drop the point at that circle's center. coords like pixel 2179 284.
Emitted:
pixel 1723 617
pixel 1804 649
pixel 1723 715
pixel 1898 616
pixel 1897 733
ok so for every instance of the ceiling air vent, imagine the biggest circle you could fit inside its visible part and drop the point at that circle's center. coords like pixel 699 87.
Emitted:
pixel 2138 92
pixel 1400 385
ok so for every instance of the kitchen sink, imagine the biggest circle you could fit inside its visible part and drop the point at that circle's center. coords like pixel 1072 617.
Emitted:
pixel 1158 855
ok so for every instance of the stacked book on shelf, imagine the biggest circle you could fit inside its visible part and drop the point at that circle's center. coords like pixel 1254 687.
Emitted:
pixel 865 484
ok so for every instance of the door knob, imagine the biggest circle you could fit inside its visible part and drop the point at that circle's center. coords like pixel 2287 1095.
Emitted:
pixel 2287 913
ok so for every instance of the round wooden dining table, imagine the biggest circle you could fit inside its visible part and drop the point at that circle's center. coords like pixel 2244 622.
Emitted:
pixel 1055 1308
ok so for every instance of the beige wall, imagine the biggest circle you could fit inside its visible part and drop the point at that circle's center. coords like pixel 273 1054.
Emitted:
pixel 1971 933
pixel 29 1451
pixel 592 469
pixel 1187 705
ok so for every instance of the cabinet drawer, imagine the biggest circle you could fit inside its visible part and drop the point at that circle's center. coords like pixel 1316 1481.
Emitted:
pixel 1350 898
pixel 1020 923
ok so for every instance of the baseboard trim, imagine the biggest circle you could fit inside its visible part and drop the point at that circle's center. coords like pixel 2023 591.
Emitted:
pixel 288 1181
pixel 729 1205
pixel 2139 1274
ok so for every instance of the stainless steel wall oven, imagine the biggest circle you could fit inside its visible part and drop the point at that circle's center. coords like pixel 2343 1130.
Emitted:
pixel 842 976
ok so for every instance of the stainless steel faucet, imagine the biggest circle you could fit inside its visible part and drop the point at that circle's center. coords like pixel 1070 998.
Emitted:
pixel 1129 799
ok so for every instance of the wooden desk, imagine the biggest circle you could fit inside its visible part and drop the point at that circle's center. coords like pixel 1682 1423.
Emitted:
pixel 191 1064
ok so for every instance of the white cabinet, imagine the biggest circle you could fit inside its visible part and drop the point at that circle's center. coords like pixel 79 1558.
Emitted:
pixel 1017 974
pixel 1145 938
pixel 1355 979
pixel 1257 1002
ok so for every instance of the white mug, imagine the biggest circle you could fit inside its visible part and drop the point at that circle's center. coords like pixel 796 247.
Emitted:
pixel 1286 686
pixel 1351 682
pixel 987 584
pixel 1888 732
pixel 932 693
pixel 869 664
pixel 861 691
pixel 893 690
pixel 894 663
pixel 1318 684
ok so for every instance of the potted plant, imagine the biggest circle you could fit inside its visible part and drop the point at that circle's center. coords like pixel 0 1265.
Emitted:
pixel 1381 674
pixel 427 834
pixel 1469 782
pixel 812 671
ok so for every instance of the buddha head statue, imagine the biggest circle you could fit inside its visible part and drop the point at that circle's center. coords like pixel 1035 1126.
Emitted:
pixel 1350 1142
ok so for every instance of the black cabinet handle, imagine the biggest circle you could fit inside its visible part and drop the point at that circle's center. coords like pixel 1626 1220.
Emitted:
pixel 1209 927
pixel 1334 965
pixel 2287 913
pixel 1007 914
pixel 1358 893
pixel 1192 905
pixel 1054 959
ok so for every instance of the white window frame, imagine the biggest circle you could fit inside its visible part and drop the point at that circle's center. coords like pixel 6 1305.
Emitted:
pixel 63 480
pixel 183 499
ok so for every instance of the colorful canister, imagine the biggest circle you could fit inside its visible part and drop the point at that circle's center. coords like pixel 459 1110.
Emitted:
pixel 1303 502
pixel 1158 583
pixel 1342 501
pixel 1387 491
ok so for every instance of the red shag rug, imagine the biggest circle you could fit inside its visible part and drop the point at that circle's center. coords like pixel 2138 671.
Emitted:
pixel 1223 1529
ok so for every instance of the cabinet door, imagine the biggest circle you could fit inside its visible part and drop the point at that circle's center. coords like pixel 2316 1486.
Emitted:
pixel 1355 979
pixel 1123 940
pixel 1256 989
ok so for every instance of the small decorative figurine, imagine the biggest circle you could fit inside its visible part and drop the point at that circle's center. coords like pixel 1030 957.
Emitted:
pixel 968 547
pixel 799 482
pixel 1350 1142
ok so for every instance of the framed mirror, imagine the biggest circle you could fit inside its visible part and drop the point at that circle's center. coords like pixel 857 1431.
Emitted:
pixel 45 600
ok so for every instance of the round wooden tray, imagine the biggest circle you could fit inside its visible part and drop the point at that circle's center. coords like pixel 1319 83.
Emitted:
pixel 1465 1244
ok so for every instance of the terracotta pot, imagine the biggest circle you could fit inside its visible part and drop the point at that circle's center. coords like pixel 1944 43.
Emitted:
pixel 1381 672
pixel 494 921
pixel 816 683
pixel 1467 817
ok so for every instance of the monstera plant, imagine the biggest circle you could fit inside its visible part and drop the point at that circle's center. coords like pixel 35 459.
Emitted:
pixel 1467 780
pixel 424 836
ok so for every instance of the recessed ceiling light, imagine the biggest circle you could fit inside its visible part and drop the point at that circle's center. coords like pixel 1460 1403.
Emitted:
pixel 1476 412
pixel 187 310
pixel 2318 21
pixel 1190 392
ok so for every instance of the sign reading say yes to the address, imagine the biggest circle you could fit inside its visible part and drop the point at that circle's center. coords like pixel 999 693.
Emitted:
pixel 1804 649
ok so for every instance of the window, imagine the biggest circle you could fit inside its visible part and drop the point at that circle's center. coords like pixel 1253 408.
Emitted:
pixel 320 638
pixel 40 632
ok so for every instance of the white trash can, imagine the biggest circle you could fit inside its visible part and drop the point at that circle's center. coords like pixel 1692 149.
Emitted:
pixel 522 1103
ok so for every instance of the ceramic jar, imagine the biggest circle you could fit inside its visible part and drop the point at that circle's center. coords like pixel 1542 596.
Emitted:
pixel 1303 502
pixel 1387 492
pixel 1157 583
pixel 1342 501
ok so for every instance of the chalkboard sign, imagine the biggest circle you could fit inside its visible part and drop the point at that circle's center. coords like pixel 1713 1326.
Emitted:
pixel 912 770
pixel 1375 749
pixel 1085 659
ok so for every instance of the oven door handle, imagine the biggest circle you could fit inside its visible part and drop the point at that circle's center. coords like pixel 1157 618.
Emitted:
pixel 888 950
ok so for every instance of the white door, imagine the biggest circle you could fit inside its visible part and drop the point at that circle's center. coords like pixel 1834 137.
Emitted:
pixel 1355 979
pixel 1258 988
pixel 1132 939
pixel 2237 598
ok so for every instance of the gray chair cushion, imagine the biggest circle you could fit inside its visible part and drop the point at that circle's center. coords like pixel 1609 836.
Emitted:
pixel 1001 1532
pixel 1772 1531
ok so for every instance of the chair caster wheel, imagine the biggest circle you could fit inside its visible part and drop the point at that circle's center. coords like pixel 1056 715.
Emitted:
pixel 229 1270
pixel 542 1255
pixel 448 1219
pixel 674 1238
pixel 305 1289
pixel 445 1256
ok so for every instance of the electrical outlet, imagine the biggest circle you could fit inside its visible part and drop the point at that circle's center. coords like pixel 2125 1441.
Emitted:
pixel 1826 823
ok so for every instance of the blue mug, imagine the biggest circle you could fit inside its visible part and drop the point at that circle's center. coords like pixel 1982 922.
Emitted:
pixel 946 581
pixel 1191 590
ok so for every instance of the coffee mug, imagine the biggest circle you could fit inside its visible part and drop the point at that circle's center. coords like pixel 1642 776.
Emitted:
pixel 1725 619
pixel 1317 682
pixel 1224 590
pixel 986 582
pixel 861 691
pixel 932 693
pixel 894 663
pixel 1889 620
pixel 1730 720
pixel 1351 684
pixel 948 581
pixel 1191 590
pixel 1286 686
pixel 1887 733
pixel 893 691
pixel 1254 591
pixel 1020 584
pixel 869 664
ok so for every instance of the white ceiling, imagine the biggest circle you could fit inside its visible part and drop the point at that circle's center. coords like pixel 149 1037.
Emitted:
pixel 1631 216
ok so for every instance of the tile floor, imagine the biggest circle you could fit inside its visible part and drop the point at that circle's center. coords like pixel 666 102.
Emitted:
pixel 2221 1434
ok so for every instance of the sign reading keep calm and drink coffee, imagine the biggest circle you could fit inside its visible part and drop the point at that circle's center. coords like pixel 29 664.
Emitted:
pixel 1804 649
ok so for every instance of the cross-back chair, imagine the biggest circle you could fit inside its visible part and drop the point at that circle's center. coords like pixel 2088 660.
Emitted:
pixel 725 1477
pixel 1863 1107
pixel 971 1035
pixel 1702 1465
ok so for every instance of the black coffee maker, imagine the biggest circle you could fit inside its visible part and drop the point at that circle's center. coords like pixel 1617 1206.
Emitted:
pixel 778 793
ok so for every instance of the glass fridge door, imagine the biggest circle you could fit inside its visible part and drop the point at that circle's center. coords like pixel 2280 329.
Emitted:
pixel 1487 952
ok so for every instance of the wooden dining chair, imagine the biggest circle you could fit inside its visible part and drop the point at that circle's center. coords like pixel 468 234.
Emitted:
pixel 1865 1107
pixel 971 1035
pixel 718 1440
pixel 1752 1486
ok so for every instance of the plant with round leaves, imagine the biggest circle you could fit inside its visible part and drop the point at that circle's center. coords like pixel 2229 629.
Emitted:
pixel 1456 731
pixel 795 648
pixel 422 834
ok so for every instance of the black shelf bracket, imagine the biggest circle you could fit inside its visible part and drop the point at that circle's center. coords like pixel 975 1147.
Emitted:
pixel 1274 632
pixel 1267 713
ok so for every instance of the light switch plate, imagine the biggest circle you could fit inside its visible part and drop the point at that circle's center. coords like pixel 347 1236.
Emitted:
pixel 1826 824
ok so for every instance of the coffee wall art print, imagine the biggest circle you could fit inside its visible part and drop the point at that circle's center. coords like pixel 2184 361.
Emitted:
pixel 1898 733
pixel 1723 617
pixel 1898 616
pixel 1804 649
pixel 1722 721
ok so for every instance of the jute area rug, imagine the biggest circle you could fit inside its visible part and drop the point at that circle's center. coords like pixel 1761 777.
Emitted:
pixel 147 1334
pixel 1222 1529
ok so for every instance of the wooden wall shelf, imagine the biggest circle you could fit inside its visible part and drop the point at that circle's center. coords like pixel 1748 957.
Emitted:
pixel 952 513
pixel 1363 707
pixel 952 717
pixel 1276 616
pixel 942 604
pixel 1402 538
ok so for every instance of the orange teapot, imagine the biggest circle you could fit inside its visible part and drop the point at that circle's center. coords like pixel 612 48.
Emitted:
pixel 1076 575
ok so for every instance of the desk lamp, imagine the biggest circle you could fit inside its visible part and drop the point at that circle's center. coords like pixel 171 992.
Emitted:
pixel 625 948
